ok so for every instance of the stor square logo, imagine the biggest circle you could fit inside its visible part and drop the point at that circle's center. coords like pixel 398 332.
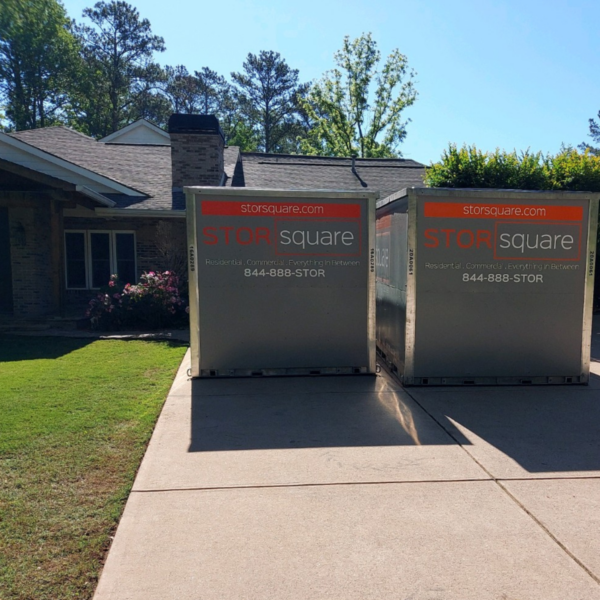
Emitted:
pixel 318 237
pixel 521 240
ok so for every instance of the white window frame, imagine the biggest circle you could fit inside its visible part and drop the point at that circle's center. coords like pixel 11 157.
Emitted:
pixel 112 233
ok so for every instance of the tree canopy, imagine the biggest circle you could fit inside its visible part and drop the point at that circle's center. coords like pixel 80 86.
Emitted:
pixel 595 135
pixel 121 79
pixel 357 108
pixel 101 74
pixel 267 94
pixel 38 62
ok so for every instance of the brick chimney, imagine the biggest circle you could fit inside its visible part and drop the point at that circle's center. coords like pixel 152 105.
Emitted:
pixel 197 144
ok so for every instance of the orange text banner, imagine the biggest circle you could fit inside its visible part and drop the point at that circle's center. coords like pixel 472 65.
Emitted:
pixel 470 210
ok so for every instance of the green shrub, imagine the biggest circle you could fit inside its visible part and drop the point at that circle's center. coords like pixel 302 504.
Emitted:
pixel 469 167
pixel 575 171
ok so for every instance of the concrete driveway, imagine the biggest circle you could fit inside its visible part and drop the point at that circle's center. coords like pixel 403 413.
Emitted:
pixel 353 488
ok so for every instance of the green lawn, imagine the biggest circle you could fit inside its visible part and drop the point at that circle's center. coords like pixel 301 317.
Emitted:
pixel 75 419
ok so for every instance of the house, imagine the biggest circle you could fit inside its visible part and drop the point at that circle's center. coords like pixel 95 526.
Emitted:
pixel 74 209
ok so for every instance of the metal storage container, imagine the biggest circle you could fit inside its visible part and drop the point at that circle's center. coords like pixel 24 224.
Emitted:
pixel 486 286
pixel 281 282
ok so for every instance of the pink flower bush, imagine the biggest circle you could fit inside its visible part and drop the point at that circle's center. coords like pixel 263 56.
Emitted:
pixel 155 302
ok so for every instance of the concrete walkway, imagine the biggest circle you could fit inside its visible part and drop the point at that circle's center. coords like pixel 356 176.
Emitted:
pixel 353 488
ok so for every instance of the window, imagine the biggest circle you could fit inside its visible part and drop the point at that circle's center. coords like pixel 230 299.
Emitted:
pixel 125 256
pixel 91 257
pixel 75 258
pixel 100 258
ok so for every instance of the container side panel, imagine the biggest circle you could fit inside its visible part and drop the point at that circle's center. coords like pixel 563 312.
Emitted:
pixel 588 309
pixel 314 328
pixel 392 261
pixel 411 285
pixel 192 245
pixel 371 288
pixel 284 282
pixel 508 335
pixel 500 287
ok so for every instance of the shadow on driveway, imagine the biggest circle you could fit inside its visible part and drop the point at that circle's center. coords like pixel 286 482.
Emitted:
pixel 543 429
pixel 305 412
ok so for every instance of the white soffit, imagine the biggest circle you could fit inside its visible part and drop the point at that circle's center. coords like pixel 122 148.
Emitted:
pixel 20 153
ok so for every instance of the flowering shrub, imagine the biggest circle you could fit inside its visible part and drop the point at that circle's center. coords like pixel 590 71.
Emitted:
pixel 155 302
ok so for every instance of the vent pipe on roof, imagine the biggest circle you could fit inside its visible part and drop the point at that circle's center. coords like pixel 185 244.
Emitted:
pixel 355 173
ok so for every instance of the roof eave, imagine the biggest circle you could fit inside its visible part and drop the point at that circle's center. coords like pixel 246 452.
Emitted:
pixel 86 191
pixel 36 152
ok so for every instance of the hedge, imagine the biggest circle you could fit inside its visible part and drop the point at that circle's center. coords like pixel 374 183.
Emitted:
pixel 469 167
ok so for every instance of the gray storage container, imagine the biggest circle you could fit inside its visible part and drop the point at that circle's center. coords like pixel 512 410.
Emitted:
pixel 486 286
pixel 281 282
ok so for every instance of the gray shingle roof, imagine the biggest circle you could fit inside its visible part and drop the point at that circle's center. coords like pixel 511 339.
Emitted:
pixel 315 172
pixel 148 168
pixel 231 157
pixel 143 168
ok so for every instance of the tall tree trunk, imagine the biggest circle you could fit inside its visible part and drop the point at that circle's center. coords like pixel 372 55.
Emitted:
pixel 267 127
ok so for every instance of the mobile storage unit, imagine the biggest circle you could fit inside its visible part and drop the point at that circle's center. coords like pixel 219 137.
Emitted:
pixel 281 282
pixel 486 286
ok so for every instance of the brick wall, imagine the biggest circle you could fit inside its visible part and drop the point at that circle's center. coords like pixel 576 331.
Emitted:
pixel 197 158
pixel 31 262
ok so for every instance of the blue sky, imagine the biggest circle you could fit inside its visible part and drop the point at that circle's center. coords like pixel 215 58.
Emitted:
pixel 510 74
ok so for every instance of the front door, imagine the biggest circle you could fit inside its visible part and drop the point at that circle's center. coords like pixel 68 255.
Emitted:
pixel 6 292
